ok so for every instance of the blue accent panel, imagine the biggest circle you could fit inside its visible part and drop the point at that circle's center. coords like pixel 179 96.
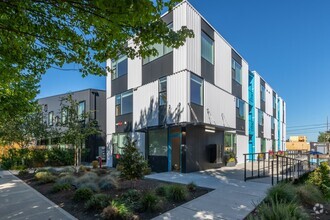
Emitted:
pixel 251 127
pixel 279 125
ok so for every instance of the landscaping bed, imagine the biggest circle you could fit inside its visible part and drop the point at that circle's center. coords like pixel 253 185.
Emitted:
pixel 101 190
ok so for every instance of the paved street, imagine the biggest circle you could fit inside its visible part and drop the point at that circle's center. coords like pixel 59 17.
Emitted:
pixel 20 201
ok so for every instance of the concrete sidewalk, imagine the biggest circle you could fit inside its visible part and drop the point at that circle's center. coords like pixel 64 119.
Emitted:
pixel 20 201
pixel 231 198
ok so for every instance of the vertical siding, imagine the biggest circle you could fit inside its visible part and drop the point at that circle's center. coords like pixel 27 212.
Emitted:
pixel 267 126
pixel 194 44
pixel 222 66
pixel 276 129
pixel 257 89
pixel 111 127
pixel 258 145
pixel 108 80
pixel 145 106
pixel 268 145
pixel 269 100
pixel 245 79
pixel 219 107
pixel 134 71
pixel 180 54
pixel 242 147
pixel 178 97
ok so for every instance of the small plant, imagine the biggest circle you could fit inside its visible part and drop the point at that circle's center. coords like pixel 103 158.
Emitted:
pixel 58 187
pixel 69 179
pixel 161 190
pixel 95 164
pixel 82 168
pixel 309 194
pixel 191 187
pixel 90 185
pixel 131 199
pixel 98 201
pixel 119 167
pixel 82 194
pixel 146 171
pixel 116 210
pixel 320 177
pixel 149 202
pixel 23 172
pixel 107 182
pixel 283 192
pixel 176 193
pixel 44 177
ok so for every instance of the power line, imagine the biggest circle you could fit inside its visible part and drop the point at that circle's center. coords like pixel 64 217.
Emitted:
pixel 303 129
pixel 310 125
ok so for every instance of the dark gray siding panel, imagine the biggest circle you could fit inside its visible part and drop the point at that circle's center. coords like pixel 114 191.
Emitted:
pixel 168 18
pixel 260 131
pixel 240 125
pixel 199 111
pixel 207 29
pixel 262 106
pixel 119 85
pixel 158 68
pixel 207 71
pixel 126 121
pixel 197 154
pixel 236 88
pixel 236 57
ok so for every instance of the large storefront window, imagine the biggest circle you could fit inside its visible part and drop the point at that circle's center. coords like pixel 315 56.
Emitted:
pixel 230 143
pixel 158 142
pixel 118 142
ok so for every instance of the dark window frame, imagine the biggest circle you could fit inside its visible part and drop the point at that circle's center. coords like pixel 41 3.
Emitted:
pixel 209 40
pixel 115 69
pixel 119 105
pixel 234 67
pixel 162 92
pixel 194 78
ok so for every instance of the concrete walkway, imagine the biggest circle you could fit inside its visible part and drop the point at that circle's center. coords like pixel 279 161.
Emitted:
pixel 232 198
pixel 20 201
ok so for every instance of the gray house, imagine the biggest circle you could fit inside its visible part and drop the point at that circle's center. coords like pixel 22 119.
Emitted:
pixel 90 100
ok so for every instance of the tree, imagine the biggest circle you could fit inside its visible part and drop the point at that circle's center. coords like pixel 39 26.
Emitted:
pixel 324 137
pixel 133 165
pixel 77 128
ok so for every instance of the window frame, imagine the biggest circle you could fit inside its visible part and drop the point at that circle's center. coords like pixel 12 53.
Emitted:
pixel 208 39
pixel 260 117
pixel 234 67
pixel 64 119
pixel 50 120
pixel 119 105
pixel 115 69
pixel 115 147
pixel 240 103
pixel 162 91
pixel 81 114
pixel 262 93
pixel 274 102
pixel 194 78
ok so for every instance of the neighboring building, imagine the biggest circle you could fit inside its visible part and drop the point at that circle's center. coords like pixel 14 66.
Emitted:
pixel 90 100
pixel 186 106
pixel 320 147
pixel 297 143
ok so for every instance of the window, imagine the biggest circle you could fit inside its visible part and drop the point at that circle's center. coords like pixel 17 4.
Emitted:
pixel 260 117
pixel 263 93
pixel 274 102
pixel 273 123
pixel 161 50
pixel 81 110
pixel 124 103
pixel 237 71
pixel 207 48
pixel 64 115
pixel 118 142
pixel 196 90
pixel 162 91
pixel 240 105
pixel 57 120
pixel 263 145
pixel 158 142
pixel 119 67
pixel 230 142
pixel 50 118
pixel 273 146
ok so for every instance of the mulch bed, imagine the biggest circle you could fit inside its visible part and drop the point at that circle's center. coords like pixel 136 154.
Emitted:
pixel 64 198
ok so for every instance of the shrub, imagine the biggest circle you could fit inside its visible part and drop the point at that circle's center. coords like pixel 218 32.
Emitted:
pixel 283 192
pixel 82 168
pixel 119 167
pixel 191 187
pixel 107 182
pixel 116 210
pixel 100 171
pixel 38 157
pixel 23 172
pixel 95 164
pixel 98 201
pixel 149 202
pixel 278 210
pixel 176 193
pixel 309 194
pixel 60 157
pixel 131 199
pixel 67 179
pixel 82 194
pixel 132 161
pixel 87 177
pixel 20 167
pixel 146 171
pixel 161 190
pixel 90 185
pixel 320 177
pixel 57 187
pixel 44 177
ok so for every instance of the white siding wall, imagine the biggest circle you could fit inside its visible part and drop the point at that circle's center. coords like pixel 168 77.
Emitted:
pixel 269 100
pixel 258 145
pixel 108 81
pixel 222 66
pixel 245 79
pixel 145 106
pixel 180 54
pixel 257 89
pixel 242 147
pixel 276 129
pixel 178 97
pixel 194 44
pixel 220 105
pixel 268 144
pixel 267 126
pixel 111 127
pixel 134 73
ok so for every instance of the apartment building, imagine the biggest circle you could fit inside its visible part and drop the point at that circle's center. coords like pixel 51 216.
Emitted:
pixel 188 108
pixel 89 100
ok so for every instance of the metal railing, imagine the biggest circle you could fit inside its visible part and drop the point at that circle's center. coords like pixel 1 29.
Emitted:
pixel 279 166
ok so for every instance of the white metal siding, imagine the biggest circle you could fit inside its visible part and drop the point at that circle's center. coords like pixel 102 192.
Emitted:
pixel 257 89
pixel 269 100
pixel 178 97
pixel 194 44
pixel 180 54
pixel 145 106
pixel 245 79
pixel 222 66
pixel 267 126
pixel 242 147
pixel 269 143
pixel 111 124
pixel 219 107
pixel 258 145
pixel 134 73
pixel 108 80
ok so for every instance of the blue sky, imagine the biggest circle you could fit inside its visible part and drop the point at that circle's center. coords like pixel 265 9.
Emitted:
pixel 287 42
